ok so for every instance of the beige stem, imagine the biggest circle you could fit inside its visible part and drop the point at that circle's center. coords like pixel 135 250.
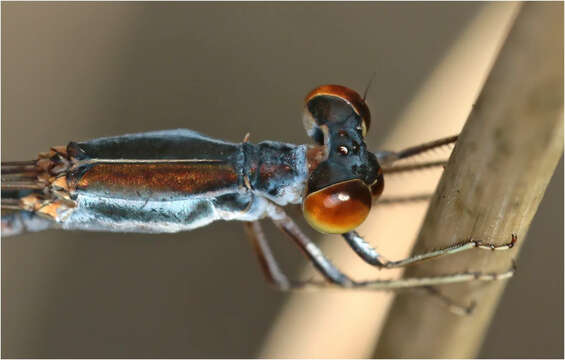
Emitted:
pixel 492 187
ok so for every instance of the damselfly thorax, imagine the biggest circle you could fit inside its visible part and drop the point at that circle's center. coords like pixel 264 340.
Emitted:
pixel 176 180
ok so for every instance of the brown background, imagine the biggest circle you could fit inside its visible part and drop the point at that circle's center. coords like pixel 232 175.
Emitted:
pixel 79 71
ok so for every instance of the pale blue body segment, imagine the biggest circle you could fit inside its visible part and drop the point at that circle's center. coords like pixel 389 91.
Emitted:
pixel 256 174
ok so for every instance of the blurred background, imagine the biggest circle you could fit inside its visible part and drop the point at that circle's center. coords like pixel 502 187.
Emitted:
pixel 75 71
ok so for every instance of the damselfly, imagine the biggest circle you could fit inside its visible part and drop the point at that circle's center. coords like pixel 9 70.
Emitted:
pixel 176 180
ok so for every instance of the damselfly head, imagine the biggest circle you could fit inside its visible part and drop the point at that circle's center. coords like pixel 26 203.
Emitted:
pixel 341 188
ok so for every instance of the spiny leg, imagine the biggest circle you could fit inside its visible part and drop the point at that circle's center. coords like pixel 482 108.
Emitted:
pixel 452 306
pixel 387 158
pixel 419 149
pixel 269 265
pixel 407 283
pixel 335 278
pixel 414 167
pixel 275 276
pixel 372 257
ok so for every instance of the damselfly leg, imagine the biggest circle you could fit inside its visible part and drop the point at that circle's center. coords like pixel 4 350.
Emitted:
pixel 336 278
pixel 389 161
pixel 276 277
pixel 372 257
pixel 388 158
pixel 273 273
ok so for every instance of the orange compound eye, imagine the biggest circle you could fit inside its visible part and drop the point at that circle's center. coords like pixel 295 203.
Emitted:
pixel 338 208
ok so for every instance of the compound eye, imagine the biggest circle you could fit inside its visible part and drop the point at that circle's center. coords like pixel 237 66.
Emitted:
pixel 338 208
pixel 330 104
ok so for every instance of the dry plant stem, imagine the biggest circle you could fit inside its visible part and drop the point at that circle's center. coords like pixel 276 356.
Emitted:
pixel 491 188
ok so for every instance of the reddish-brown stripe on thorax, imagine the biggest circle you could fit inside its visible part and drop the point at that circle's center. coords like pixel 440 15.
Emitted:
pixel 178 178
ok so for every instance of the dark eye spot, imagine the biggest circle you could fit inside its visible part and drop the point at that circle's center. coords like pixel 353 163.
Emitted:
pixel 343 150
pixel 342 133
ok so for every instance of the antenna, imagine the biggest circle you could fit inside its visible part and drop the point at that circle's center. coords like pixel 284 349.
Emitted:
pixel 369 85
